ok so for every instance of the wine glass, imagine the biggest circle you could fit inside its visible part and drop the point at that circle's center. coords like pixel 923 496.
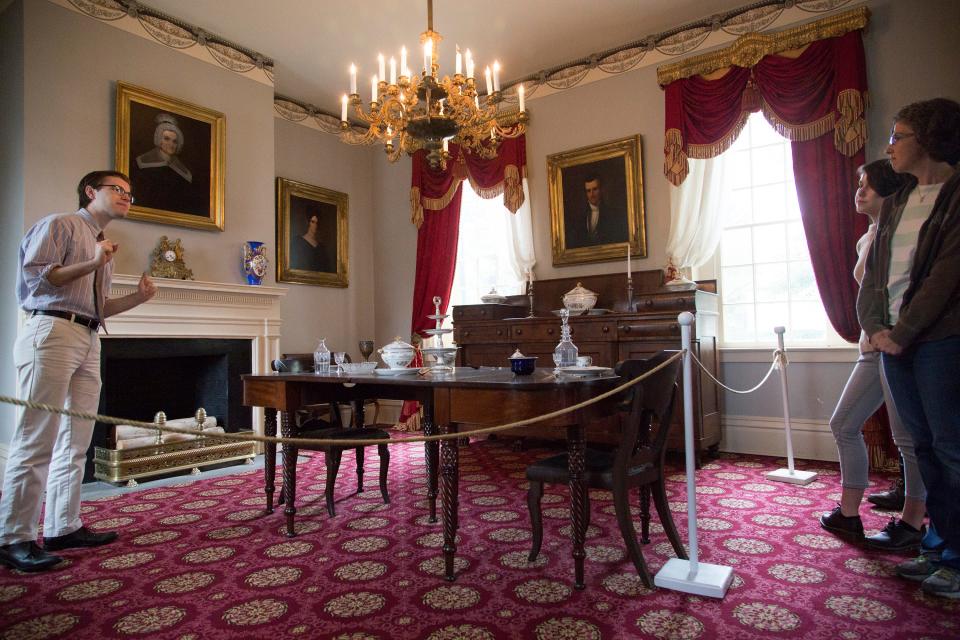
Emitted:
pixel 366 349
pixel 557 359
pixel 340 357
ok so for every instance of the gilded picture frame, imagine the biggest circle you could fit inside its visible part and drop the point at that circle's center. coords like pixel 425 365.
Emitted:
pixel 596 203
pixel 174 153
pixel 312 234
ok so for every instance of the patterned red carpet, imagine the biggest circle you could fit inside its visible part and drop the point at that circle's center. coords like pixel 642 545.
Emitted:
pixel 201 561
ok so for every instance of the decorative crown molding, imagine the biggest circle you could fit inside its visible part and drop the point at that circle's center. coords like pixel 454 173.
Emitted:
pixel 140 19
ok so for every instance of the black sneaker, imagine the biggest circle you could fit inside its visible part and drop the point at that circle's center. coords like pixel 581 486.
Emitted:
pixel 897 536
pixel 891 499
pixel 848 528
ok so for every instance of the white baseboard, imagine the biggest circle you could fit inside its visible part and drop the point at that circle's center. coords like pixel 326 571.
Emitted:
pixel 812 439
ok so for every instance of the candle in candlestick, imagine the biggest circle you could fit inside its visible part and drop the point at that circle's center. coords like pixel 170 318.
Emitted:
pixel 373 88
pixel 521 94
pixel 343 108
pixel 381 74
pixel 469 64
pixel 393 70
pixel 628 260
pixel 403 61
pixel 458 69
pixel 428 56
pixel 486 74
pixel 353 79
pixel 496 76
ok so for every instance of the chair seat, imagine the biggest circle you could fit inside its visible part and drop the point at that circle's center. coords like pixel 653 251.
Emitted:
pixel 597 468
pixel 335 433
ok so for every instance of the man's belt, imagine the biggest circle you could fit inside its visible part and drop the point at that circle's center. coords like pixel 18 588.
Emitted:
pixel 89 323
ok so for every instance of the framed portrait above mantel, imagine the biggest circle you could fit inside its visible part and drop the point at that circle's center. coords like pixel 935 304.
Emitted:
pixel 596 203
pixel 312 234
pixel 173 152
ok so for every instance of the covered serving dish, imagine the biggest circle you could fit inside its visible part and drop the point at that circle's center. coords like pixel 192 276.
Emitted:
pixel 579 300
pixel 493 297
pixel 522 365
pixel 398 354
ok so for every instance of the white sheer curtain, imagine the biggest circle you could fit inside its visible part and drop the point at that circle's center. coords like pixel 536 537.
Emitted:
pixel 697 208
pixel 495 249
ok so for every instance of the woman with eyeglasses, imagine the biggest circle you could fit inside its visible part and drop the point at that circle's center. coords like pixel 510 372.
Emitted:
pixel 909 305
pixel 866 390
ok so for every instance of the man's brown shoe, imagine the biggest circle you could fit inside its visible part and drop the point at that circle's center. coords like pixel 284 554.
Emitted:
pixel 891 499
pixel 27 556
pixel 82 537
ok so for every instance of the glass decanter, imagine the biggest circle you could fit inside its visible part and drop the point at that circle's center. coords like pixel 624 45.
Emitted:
pixel 565 355
pixel 321 357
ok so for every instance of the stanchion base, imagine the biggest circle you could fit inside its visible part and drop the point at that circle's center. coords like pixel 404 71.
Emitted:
pixel 797 477
pixel 711 580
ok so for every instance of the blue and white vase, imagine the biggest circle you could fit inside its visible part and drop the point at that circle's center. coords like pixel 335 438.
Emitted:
pixel 254 261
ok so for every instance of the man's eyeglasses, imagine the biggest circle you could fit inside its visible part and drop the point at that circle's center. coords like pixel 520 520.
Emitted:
pixel 123 193
pixel 897 137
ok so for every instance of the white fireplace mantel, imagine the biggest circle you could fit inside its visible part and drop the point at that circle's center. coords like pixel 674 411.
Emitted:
pixel 192 309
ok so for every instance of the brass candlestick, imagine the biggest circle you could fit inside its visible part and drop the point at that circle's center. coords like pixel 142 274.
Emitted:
pixel 629 292
pixel 530 298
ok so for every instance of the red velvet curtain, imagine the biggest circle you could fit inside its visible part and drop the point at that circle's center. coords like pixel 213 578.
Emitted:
pixel 817 101
pixel 435 201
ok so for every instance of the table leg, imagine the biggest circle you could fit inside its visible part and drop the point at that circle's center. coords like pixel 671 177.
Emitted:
pixel 289 473
pixel 578 503
pixel 450 481
pixel 431 452
pixel 269 456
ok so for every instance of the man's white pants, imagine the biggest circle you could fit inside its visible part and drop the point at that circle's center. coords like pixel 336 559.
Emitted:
pixel 58 363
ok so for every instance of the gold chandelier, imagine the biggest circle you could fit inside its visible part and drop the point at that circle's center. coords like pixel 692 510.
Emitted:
pixel 411 111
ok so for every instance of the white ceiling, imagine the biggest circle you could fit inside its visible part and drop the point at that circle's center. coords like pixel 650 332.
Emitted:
pixel 313 42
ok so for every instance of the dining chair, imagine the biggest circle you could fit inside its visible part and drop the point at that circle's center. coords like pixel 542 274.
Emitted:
pixel 636 461
pixel 323 422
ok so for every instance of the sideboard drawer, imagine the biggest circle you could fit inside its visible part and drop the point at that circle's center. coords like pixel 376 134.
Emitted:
pixel 648 329
pixel 481 334
pixel 665 303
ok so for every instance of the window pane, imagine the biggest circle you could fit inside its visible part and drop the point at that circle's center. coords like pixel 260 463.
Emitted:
pixel 764 134
pixel 803 284
pixel 737 247
pixel 769 203
pixel 769 243
pixel 738 284
pixel 738 323
pixel 797 242
pixel 741 209
pixel 770 315
pixel 771 282
pixel 809 321
pixel 767 164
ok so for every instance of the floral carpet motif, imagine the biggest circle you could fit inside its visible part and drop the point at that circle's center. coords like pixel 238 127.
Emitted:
pixel 200 560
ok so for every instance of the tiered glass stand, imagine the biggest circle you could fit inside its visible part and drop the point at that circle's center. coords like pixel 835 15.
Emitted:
pixel 443 357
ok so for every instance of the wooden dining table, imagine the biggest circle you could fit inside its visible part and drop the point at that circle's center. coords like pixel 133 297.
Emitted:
pixel 473 397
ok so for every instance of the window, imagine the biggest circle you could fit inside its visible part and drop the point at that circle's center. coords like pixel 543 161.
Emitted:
pixel 766 278
pixel 483 258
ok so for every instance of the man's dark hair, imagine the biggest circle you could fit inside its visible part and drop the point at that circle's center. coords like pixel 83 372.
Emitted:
pixel 881 177
pixel 591 177
pixel 936 124
pixel 92 179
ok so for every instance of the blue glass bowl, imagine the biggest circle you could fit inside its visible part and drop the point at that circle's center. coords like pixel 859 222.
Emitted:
pixel 523 366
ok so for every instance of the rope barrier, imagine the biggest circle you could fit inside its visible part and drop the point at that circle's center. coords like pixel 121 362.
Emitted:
pixel 341 442
pixel 779 361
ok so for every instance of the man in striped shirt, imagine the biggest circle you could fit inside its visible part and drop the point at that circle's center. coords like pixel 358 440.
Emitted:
pixel 66 265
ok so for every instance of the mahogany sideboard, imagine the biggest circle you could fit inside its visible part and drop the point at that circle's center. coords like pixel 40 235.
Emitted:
pixel 488 334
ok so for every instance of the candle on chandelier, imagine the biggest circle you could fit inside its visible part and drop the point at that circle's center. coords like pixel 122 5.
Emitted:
pixel 381 73
pixel 459 65
pixel 428 56
pixel 496 76
pixel 446 145
pixel 489 84
pixel 353 79
pixel 343 108
pixel 469 64
pixel 521 94
pixel 373 88
pixel 403 62
pixel 393 70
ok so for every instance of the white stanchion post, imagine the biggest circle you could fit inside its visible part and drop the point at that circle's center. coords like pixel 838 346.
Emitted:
pixel 692 576
pixel 790 474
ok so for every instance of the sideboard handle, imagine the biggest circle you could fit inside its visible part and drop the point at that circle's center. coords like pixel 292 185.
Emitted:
pixel 606 329
pixel 519 332
pixel 550 331
pixel 499 332
pixel 625 328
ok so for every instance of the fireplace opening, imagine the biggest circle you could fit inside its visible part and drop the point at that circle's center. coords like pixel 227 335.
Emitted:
pixel 175 375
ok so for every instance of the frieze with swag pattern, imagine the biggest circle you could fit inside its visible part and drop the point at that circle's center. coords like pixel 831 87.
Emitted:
pixel 623 60
pixel 166 32
pixel 683 42
pixel 231 58
pixel 101 9
pixel 289 110
pixel 566 78
pixel 819 6
pixel 753 20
